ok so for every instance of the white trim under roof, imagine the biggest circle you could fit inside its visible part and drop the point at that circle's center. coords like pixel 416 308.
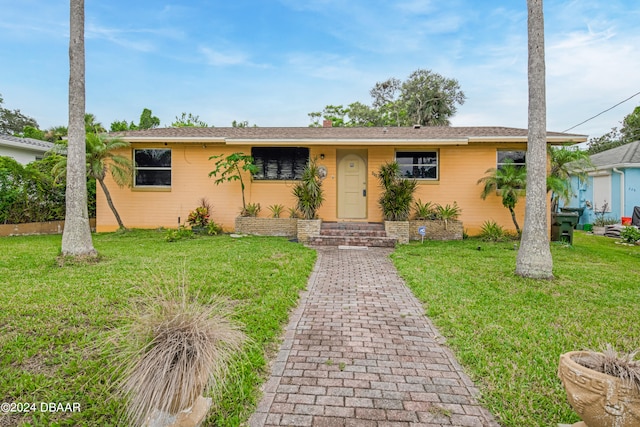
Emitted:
pixel 335 141
pixel 343 141
pixel 550 139
pixel 185 139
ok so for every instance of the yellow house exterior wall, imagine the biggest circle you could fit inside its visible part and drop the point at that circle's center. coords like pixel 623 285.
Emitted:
pixel 460 167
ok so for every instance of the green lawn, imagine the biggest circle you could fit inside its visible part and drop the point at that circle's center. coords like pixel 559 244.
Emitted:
pixel 509 332
pixel 52 316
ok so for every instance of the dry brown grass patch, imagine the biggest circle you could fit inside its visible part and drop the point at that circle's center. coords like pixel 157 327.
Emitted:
pixel 620 365
pixel 178 348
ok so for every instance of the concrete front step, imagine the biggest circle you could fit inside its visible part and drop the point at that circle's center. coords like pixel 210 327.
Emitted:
pixel 359 233
pixel 372 226
pixel 353 234
pixel 370 241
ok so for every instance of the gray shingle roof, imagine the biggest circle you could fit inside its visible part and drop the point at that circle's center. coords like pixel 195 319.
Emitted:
pixel 27 143
pixel 340 133
pixel 622 155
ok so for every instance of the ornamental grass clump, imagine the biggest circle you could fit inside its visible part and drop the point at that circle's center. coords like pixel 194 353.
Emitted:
pixel 178 349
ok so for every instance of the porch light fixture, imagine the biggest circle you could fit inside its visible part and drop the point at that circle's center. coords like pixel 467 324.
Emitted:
pixel 321 156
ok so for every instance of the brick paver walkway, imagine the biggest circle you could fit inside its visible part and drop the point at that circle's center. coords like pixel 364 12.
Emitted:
pixel 358 351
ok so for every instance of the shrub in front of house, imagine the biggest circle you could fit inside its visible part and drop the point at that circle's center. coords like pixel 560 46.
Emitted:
pixel 397 195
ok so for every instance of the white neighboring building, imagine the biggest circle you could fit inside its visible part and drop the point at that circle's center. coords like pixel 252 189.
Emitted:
pixel 23 150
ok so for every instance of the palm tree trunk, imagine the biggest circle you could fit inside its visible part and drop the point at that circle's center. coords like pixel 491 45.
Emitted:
pixel 76 237
pixel 515 221
pixel 534 256
pixel 110 203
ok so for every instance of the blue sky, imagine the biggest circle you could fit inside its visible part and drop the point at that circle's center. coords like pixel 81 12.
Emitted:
pixel 271 62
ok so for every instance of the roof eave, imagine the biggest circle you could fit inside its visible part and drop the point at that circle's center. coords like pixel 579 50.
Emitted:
pixel 555 140
pixel 611 166
pixel 184 139
pixel 23 146
pixel 340 141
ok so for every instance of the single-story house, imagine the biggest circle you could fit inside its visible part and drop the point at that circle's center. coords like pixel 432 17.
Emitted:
pixel 172 167
pixel 23 150
pixel 614 181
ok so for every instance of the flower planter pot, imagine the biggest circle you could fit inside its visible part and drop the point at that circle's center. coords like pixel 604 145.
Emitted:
pixel 599 399
pixel 598 231
pixel 191 417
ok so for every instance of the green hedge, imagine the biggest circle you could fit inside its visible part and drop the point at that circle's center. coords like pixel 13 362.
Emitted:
pixel 31 194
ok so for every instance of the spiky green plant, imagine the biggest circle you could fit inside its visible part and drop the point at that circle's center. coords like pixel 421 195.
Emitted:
pixel 397 197
pixel 448 213
pixel 308 191
pixel 293 213
pixel 423 211
pixel 174 350
pixel 491 231
pixel 251 210
pixel 276 210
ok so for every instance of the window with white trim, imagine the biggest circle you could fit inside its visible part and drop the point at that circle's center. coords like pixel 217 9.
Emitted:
pixel 418 164
pixel 516 157
pixel 152 167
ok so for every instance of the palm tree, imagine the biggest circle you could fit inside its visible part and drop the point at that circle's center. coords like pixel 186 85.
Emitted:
pixel 91 125
pixel 101 158
pixel 509 181
pixel 534 256
pixel 76 237
pixel 55 133
pixel 564 162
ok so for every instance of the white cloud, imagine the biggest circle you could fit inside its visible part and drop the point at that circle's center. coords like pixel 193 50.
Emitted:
pixel 143 40
pixel 589 72
pixel 421 7
pixel 219 58
pixel 325 66
pixel 216 58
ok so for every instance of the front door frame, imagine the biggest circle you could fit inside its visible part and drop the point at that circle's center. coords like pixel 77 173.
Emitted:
pixel 363 156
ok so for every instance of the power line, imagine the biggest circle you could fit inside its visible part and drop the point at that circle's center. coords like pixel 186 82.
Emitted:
pixel 602 112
